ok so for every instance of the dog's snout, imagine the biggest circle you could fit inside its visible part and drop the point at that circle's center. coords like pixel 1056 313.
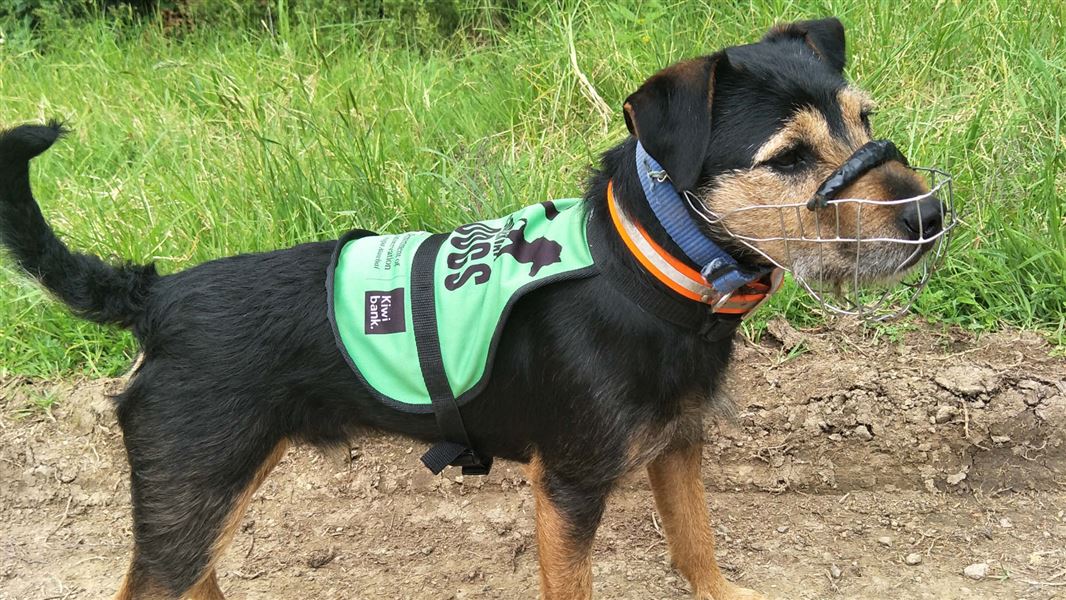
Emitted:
pixel 923 218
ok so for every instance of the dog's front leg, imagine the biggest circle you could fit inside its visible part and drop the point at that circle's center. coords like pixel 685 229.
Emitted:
pixel 568 514
pixel 679 497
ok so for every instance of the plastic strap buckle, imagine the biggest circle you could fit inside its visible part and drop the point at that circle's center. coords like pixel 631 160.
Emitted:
pixel 445 454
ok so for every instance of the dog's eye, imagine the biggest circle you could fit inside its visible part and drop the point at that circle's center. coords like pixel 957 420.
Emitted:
pixel 788 161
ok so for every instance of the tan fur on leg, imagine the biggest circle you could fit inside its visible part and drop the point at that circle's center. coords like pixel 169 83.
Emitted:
pixel 207 589
pixel 565 563
pixel 137 587
pixel 679 497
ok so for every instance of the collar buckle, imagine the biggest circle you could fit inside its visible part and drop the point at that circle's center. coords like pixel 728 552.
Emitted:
pixel 659 176
pixel 722 301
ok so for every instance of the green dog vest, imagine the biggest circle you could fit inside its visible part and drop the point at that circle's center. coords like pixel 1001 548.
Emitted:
pixel 411 306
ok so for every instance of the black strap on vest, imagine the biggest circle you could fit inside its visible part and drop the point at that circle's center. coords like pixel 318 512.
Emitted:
pixel 648 295
pixel 456 449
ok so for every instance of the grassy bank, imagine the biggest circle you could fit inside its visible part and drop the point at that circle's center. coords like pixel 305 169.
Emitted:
pixel 224 139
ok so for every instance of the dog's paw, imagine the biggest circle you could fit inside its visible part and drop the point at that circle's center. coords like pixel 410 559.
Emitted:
pixel 733 592
pixel 739 593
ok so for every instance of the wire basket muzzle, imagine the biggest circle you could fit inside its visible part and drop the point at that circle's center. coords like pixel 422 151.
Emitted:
pixel 874 275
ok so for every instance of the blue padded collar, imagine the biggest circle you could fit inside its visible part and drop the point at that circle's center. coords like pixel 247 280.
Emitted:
pixel 721 270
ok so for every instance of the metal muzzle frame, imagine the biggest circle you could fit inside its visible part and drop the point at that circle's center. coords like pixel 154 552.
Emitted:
pixel 886 296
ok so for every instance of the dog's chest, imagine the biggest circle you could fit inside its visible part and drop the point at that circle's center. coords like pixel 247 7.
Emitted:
pixel 419 314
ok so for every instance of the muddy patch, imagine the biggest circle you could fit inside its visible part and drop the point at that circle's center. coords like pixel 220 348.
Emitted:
pixel 856 466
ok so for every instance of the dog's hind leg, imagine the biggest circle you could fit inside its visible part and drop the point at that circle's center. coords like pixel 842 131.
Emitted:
pixel 134 587
pixel 568 514
pixel 182 561
pixel 190 488
pixel 207 587
pixel 679 497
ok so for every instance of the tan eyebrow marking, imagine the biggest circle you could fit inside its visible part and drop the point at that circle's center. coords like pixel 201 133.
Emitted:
pixel 858 100
pixel 853 103
pixel 808 126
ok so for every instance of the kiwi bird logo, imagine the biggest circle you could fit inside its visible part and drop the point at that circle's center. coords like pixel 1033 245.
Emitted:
pixel 538 253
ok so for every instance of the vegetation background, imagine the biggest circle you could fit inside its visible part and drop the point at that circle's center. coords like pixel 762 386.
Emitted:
pixel 205 128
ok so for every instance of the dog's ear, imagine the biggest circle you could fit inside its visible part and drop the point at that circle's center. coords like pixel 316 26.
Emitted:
pixel 671 116
pixel 824 36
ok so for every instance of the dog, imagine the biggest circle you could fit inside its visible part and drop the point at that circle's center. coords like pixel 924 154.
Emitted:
pixel 593 377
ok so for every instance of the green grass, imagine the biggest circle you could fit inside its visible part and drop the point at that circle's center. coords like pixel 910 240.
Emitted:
pixel 38 403
pixel 239 139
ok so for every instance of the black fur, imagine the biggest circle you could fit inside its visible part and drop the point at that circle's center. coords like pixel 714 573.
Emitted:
pixel 91 288
pixel 239 353
pixel 671 115
pixel 824 36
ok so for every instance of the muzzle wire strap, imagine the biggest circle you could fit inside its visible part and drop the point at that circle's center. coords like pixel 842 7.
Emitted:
pixel 870 156
pixel 720 269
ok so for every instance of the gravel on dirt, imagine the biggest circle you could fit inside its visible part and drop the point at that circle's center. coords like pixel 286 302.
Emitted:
pixel 798 494
pixel 976 571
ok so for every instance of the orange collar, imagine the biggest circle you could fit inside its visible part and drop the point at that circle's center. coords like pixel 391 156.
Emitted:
pixel 683 279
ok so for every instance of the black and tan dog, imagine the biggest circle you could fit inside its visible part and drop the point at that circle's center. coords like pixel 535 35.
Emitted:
pixel 240 362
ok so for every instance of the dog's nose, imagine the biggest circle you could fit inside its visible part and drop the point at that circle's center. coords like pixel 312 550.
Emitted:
pixel 922 219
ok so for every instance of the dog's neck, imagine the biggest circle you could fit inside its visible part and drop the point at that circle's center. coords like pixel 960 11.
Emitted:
pixel 641 198
pixel 620 212
pixel 619 166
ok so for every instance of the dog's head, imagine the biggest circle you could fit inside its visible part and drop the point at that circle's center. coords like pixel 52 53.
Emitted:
pixel 751 133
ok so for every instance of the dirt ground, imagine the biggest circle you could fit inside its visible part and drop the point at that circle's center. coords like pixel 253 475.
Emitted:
pixel 847 456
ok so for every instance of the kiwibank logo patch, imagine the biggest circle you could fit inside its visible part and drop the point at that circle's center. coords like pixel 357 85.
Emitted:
pixel 384 312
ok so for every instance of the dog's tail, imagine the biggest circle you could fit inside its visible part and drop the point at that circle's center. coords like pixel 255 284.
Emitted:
pixel 90 287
